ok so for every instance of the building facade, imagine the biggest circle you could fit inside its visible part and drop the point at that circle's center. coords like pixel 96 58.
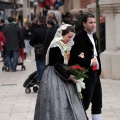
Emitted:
pixel 22 10
pixel 9 8
pixel 75 5
pixel 28 9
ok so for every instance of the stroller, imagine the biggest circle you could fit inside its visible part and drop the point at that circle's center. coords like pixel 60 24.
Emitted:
pixel 21 59
pixel 31 81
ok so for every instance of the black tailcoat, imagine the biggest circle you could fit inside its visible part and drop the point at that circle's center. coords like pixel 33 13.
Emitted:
pixel 83 44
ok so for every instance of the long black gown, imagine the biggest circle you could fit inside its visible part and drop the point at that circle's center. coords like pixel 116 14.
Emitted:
pixel 57 97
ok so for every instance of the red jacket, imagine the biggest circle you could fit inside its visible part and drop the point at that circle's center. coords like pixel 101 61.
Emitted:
pixel 2 40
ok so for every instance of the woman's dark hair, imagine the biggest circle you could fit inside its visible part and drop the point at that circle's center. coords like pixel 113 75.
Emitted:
pixel 67 21
pixel 67 30
pixel 51 22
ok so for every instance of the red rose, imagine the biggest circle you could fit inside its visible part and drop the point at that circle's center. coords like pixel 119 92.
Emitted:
pixel 75 67
pixel 78 71
pixel 82 69
pixel 78 67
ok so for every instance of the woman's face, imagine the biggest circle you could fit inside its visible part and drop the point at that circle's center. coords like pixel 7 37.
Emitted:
pixel 68 37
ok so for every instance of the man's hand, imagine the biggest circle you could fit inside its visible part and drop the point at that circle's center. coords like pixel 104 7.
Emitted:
pixel 94 61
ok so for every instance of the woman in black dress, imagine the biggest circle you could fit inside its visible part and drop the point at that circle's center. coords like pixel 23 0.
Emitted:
pixel 57 97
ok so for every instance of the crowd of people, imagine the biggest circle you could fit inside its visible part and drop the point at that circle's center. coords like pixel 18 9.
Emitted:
pixel 57 96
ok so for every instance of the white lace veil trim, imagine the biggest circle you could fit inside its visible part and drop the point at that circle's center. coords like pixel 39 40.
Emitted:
pixel 55 43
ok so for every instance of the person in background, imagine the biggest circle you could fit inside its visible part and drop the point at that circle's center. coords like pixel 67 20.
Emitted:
pixel 14 36
pixel 2 43
pixel 2 50
pixel 2 24
pixel 57 13
pixel 51 24
pixel 26 36
pixel 18 22
pixel 51 16
pixel 6 22
pixel 80 13
pixel 57 97
pixel 67 14
pixel 41 34
pixel 33 26
pixel 87 43
pixel 102 34
pixel 78 25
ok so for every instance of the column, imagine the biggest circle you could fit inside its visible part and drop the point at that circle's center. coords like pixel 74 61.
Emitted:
pixel 106 57
pixel 70 4
pixel 76 4
pixel 116 55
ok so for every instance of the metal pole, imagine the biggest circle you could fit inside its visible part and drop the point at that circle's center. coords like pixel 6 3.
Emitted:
pixel 98 21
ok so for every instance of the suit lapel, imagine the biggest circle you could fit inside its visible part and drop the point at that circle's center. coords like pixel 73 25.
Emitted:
pixel 87 39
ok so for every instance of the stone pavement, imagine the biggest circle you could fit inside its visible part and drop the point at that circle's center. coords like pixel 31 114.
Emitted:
pixel 15 104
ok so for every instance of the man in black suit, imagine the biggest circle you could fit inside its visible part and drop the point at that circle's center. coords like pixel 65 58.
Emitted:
pixel 86 43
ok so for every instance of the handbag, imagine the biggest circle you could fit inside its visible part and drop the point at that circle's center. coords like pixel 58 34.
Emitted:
pixel 39 48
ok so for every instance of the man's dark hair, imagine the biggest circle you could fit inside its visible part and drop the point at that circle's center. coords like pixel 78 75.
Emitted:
pixel 86 16
pixel 10 19
pixel 67 30
pixel 79 24
pixel 42 19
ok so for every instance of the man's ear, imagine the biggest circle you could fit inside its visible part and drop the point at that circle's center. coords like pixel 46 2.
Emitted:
pixel 84 24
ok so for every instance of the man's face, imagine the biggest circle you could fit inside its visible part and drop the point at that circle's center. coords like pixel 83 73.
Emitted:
pixel 90 25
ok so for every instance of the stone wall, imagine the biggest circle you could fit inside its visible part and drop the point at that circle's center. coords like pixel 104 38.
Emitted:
pixel 84 3
pixel 75 5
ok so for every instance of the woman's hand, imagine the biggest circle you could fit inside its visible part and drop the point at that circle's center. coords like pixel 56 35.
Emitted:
pixel 72 78
pixel 81 55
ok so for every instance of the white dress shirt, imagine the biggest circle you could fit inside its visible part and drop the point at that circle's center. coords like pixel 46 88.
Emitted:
pixel 94 47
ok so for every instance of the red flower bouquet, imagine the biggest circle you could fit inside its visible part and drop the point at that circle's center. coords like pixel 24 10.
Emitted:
pixel 79 73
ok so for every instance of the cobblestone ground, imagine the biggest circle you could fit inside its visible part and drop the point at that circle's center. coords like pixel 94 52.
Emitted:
pixel 15 104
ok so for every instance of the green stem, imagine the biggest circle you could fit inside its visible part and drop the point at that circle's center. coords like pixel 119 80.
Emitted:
pixel 80 95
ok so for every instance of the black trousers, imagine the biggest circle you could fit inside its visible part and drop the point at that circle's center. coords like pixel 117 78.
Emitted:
pixel 92 93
